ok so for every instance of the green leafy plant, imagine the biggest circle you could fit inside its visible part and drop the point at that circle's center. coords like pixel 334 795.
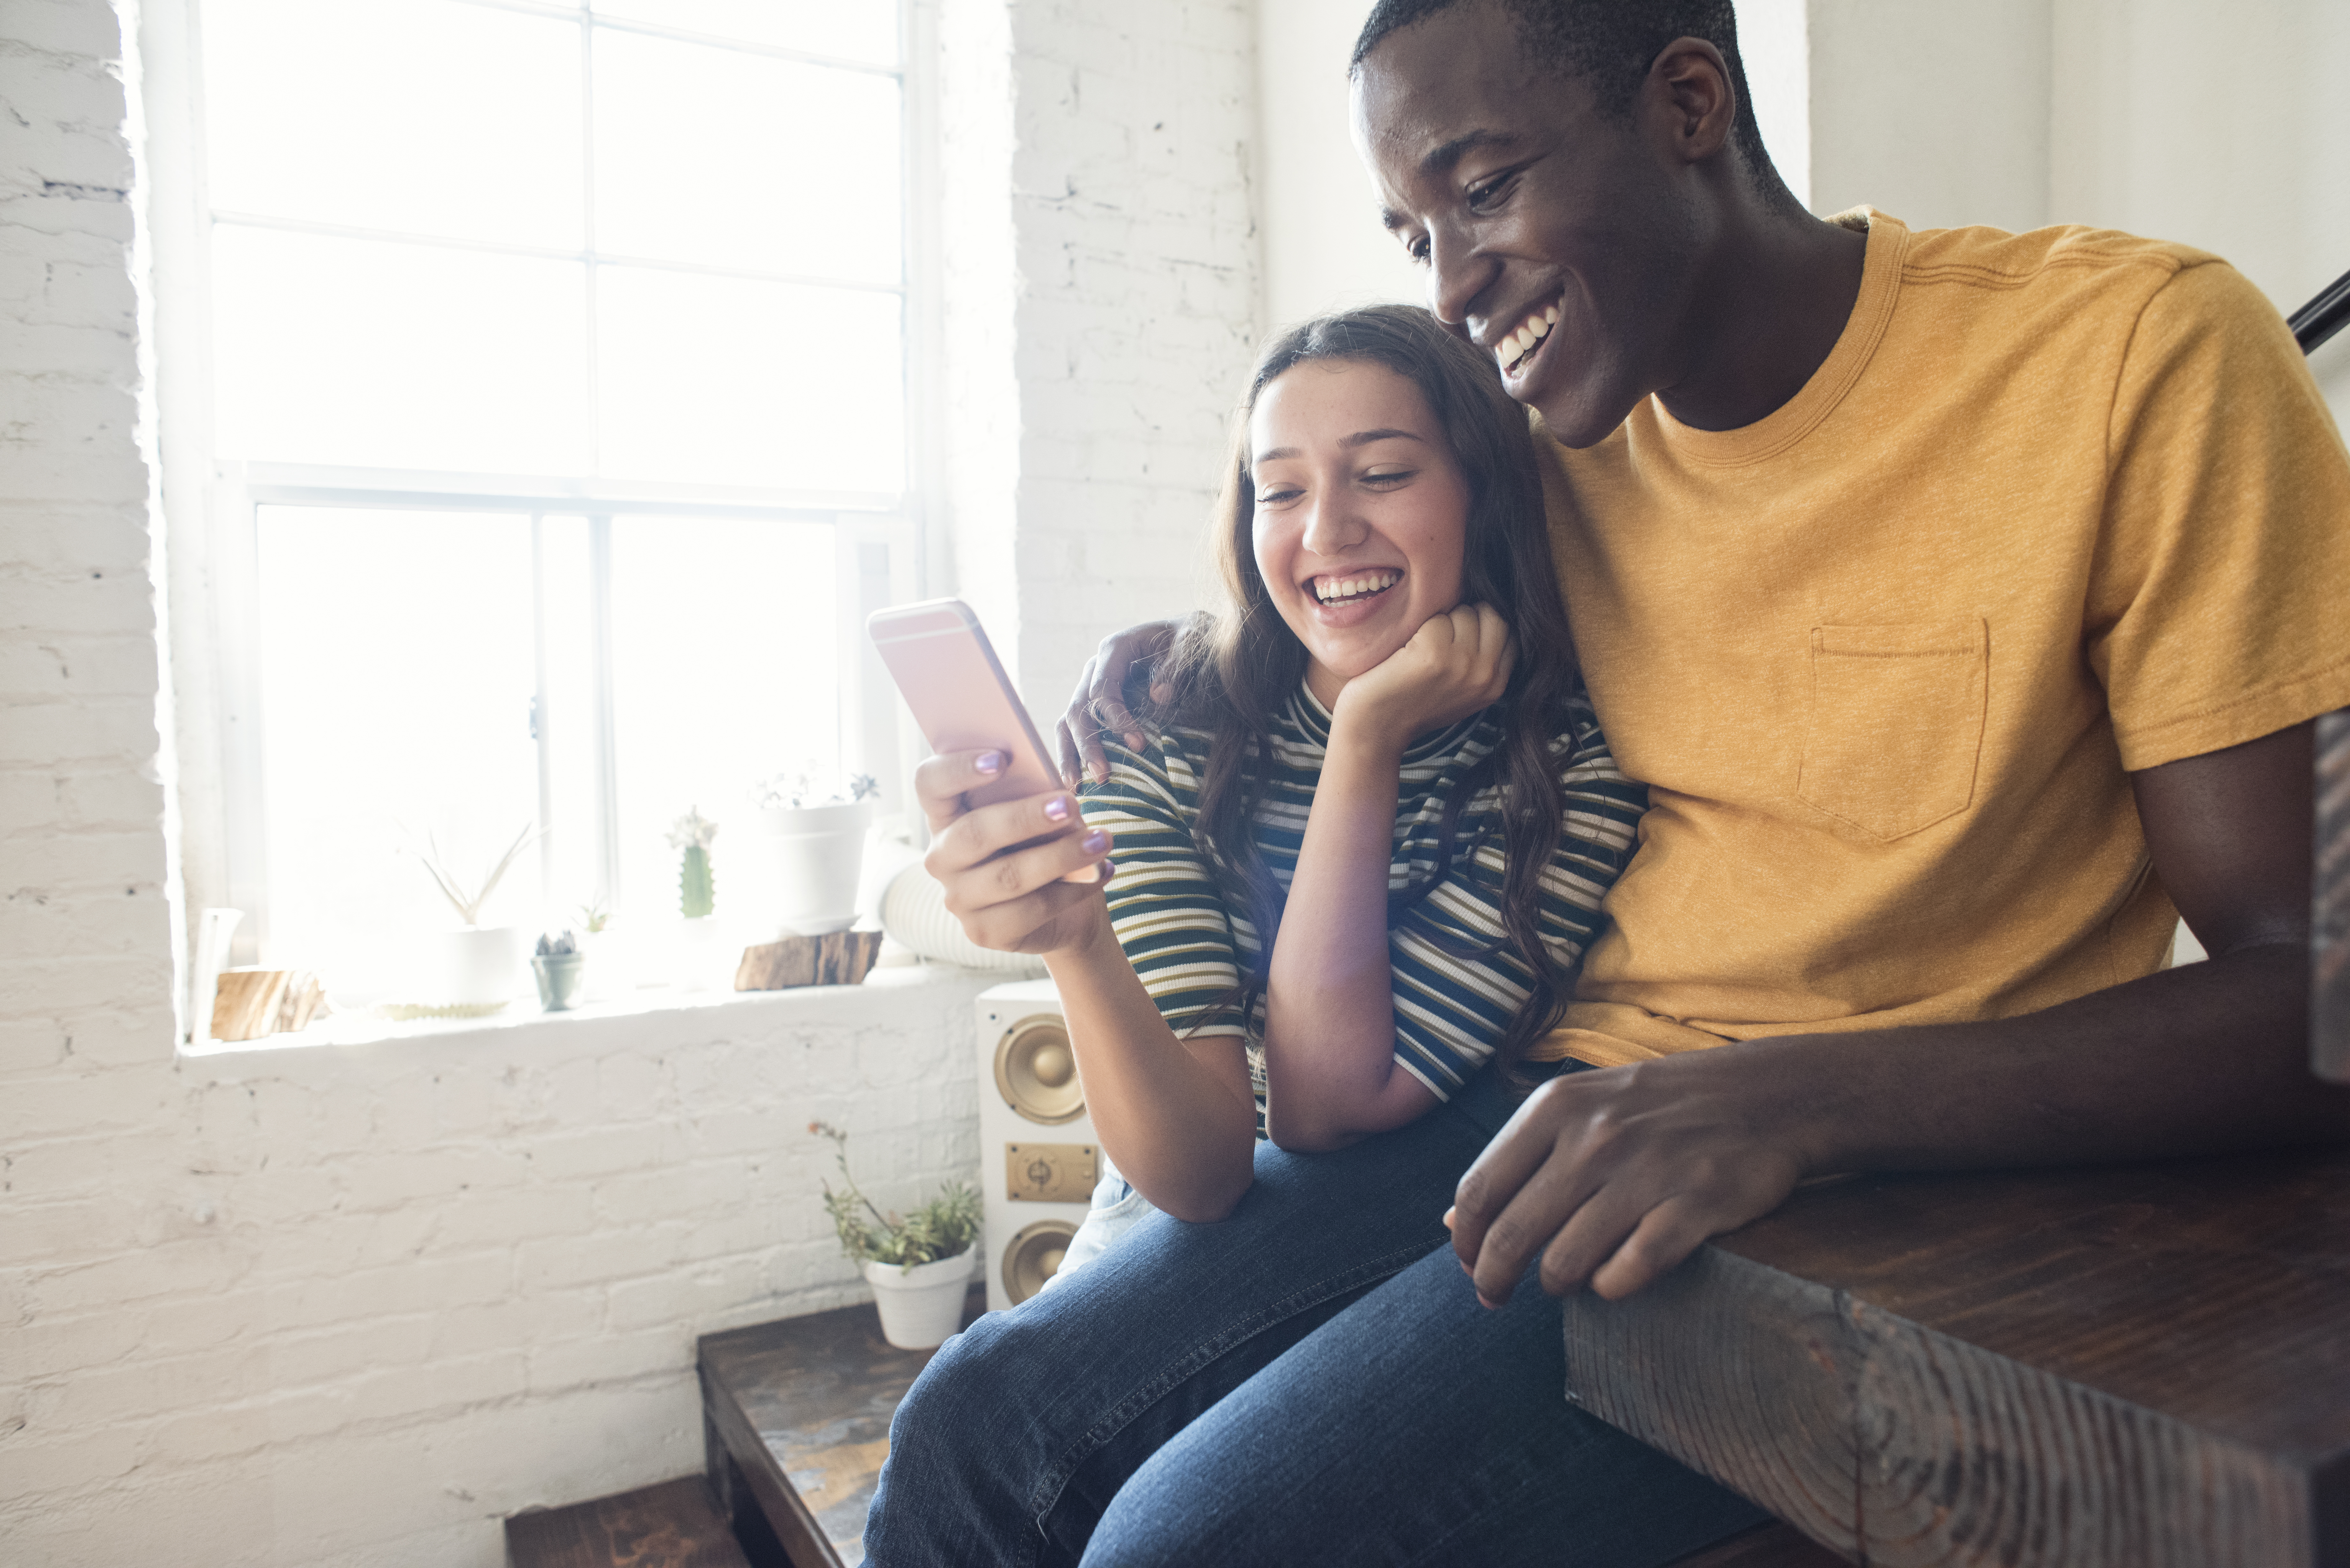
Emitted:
pixel 944 1227
pixel 594 917
pixel 697 888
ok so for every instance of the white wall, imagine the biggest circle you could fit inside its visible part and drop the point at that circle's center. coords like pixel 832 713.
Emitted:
pixel 1103 298
pixel 2225 126
pixel 328 1305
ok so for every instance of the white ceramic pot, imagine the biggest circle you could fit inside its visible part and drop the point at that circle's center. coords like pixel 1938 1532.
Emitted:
pixel 700 953
pixel 482 965
pixel 807 862
pixel 922 1306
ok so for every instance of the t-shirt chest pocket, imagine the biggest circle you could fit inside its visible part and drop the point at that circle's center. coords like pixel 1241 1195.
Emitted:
pixel 1895 723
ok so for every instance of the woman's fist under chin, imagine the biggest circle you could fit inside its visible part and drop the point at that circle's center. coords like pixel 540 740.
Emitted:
pixel 1456 664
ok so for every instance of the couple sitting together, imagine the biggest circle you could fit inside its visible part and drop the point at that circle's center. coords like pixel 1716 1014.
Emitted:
pixel 1960 600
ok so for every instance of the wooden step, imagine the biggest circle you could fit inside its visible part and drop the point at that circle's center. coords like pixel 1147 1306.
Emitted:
pixel 676 1524
pixel 796 1422
pixel 1772 1546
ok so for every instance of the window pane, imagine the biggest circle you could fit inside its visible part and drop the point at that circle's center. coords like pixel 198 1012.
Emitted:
pixel 723 673
pixel 415 115
pixel 745 160
pixel 396 356
pixel 396 672
pixel 569 725
pixel 729 381
pixel 863 30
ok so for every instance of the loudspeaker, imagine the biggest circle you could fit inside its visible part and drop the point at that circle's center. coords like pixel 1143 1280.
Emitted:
pixel 1037 1158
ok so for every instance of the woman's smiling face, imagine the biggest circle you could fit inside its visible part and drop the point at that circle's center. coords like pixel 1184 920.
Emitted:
pixel 1362 513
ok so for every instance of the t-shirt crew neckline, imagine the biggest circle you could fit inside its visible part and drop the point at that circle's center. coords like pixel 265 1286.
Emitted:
pixel 1774 432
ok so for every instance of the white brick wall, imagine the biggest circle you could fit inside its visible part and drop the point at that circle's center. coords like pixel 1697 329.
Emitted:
pixel 1085 467
pixel 354 1305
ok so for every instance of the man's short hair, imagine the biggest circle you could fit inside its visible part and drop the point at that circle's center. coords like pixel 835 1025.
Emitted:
pixel 1610 44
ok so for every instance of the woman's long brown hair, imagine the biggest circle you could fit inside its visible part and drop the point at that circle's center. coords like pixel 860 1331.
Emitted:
pixel 1233 672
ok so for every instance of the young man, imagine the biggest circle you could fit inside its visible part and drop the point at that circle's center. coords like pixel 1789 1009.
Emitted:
pixel 1965 599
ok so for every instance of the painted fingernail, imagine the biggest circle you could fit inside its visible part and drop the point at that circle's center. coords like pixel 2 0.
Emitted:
pixel 989 762
pixel 1057 809
pixel 1096 842
pixel 1104 871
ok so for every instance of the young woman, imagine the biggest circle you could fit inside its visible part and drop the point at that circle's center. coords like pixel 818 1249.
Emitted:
pixel 1342 889
pixel 1362 770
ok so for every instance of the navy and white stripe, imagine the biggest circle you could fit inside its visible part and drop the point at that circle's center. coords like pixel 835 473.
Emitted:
pixel 1457 986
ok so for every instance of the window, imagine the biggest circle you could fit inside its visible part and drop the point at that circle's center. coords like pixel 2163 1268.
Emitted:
pixel 557 392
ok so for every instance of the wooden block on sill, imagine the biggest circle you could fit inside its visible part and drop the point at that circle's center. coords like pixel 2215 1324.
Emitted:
pixel 249 1002
pixel 837 958
pixel 303 997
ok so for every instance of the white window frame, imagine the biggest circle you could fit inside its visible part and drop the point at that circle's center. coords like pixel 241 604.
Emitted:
pixel 882 551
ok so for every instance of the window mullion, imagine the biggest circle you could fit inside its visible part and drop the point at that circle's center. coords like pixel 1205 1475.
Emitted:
pixel 608 765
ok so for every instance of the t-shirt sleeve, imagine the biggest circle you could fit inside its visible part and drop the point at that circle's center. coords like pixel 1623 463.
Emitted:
pixel 2215 606
pixel 1453 1009
pixel 1164 905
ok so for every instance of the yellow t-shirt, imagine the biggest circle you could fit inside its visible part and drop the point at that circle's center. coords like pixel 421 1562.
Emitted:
pixel 2058 505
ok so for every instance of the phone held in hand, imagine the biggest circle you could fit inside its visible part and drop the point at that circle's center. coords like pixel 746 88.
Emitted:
pixel 947 670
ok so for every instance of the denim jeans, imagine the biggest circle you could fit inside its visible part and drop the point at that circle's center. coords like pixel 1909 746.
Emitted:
pixel 1310 1380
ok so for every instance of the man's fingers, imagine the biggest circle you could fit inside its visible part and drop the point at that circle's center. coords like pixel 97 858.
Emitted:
pixel 941 782
pixel 1551 1199
pixel 1517 1151
pixel 1588 1238
pixel 1665 1234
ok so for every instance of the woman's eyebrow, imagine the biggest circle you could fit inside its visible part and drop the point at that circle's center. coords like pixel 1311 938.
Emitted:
pixel 1360 438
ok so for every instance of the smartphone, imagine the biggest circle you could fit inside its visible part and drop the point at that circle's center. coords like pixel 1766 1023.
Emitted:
pixel 948 672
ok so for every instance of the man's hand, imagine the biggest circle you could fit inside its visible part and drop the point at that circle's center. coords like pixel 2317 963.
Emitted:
pixel 1456 664
pixel 1615 1176
pixel 1098 704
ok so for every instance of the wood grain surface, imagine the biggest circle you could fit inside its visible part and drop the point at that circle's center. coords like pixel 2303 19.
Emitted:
pixel 1764 1546
pixel 672 1525
pixel 2133 1367
pixel 2330 955
pixel 838 957
pixel 803 1408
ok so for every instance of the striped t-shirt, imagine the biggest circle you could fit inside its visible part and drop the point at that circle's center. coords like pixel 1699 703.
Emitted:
pixel 1192 945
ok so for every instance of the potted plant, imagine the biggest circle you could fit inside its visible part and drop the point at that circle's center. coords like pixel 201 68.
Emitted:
pixel 558 966
pixel 697 900
pixel 920 1265
pixel 481 967
pixel 810 847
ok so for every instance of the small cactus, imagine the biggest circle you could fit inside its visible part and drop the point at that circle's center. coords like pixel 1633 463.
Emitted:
pixel 697 891
pixel 697 894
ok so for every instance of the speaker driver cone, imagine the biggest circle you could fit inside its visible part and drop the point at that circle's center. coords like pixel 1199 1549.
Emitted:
pixel 1034 1256
pixel 1037 1074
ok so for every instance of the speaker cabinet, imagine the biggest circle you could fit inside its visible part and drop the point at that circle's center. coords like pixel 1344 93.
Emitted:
pixel 1037 1158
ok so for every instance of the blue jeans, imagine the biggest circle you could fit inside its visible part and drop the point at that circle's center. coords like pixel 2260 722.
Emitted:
pixel 1310 1380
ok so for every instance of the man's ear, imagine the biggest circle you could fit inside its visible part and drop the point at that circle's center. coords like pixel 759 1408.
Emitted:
pixel 1689 100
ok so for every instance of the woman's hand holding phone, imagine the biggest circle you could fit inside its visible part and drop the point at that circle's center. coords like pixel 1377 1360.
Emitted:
pixel 1003 865
pixel 1456 664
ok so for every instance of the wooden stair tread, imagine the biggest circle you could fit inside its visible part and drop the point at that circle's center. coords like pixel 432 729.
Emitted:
pixel 2107 1368
pixel 1772 1546
pixel 797 1415
pixel 672 1525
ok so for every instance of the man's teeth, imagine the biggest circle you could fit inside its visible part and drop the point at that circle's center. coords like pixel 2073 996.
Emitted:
pixel 1331 589
pixel 1521 343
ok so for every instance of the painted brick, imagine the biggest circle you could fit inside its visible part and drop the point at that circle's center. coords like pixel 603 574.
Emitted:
pixel 380 1297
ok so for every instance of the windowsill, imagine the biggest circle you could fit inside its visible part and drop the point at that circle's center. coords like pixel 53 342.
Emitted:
pixel 662 1013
